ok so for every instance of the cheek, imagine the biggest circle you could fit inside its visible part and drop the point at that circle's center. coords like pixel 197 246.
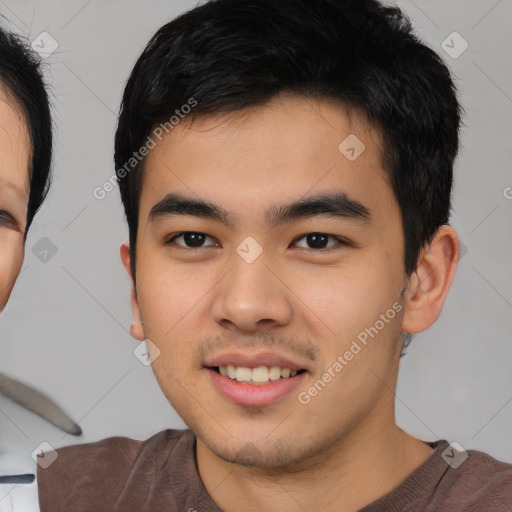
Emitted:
pixel 170 298
pixel 347 299
pixel 357 315
pixel 11 260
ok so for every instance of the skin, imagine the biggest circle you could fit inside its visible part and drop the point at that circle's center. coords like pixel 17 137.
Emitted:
pixel 343 449
pixel 15 149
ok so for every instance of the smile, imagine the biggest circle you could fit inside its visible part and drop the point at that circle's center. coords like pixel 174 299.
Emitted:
pixel 256 387
pixel 260 375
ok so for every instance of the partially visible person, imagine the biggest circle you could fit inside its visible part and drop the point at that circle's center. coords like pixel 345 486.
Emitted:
pixel 25 152
pixel 25 163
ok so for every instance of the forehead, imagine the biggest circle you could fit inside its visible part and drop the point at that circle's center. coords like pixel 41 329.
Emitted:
pixel 285 149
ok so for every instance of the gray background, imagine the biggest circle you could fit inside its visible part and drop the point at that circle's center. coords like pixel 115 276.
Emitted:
pixel 66 328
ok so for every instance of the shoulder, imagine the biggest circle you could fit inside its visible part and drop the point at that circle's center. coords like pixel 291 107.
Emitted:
pixel 479 482
pixel 126 449
pixel 97 473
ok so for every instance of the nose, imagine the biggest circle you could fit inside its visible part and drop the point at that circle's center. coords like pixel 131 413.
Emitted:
pixel 252 297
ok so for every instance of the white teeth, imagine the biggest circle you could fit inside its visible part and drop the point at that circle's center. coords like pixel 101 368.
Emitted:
pixel 275 373
pixel 285 373
pixel 230 370
pixel 258 375
pixel 243 374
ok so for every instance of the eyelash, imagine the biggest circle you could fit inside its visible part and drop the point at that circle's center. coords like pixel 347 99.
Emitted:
pixel 8 220
pixel 340 241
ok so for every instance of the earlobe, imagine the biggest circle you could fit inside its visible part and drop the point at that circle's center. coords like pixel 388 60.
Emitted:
pixel 136 329
pixel 430 282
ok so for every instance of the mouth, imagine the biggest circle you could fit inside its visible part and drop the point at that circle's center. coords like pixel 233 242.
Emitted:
pixel 257 386
pixel 258 376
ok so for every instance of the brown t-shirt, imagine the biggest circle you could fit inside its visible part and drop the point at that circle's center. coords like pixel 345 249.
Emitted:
pixel 160 475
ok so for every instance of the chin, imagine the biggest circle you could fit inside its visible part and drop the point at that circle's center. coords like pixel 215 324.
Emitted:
pixel 260 451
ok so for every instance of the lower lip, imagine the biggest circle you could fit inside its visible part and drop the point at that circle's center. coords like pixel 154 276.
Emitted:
pixel 253 394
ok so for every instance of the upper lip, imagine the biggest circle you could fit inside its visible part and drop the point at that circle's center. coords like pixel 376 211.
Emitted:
pixel 254 360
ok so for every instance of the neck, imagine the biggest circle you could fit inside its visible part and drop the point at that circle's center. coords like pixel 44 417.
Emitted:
pixel 355 471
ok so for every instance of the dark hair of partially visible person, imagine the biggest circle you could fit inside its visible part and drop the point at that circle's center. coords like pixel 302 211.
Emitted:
pixel 233 54
pixel 21 76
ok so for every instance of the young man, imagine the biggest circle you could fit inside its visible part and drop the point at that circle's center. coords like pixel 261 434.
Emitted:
pixel 286 172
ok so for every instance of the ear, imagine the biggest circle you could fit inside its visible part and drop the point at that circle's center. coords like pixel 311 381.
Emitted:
pixel 136 329
pixel 429 284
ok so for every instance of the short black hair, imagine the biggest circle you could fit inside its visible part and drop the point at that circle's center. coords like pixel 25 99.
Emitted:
pixel 233 54
pixel 21 75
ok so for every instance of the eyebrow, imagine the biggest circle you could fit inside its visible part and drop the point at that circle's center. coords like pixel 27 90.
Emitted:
pixel 338 205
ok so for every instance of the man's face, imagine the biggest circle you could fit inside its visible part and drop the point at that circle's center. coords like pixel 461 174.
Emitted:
pixel 271 286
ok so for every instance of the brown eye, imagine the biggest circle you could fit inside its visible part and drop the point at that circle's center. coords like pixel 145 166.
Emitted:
pixel 190 239
pixel 318 241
